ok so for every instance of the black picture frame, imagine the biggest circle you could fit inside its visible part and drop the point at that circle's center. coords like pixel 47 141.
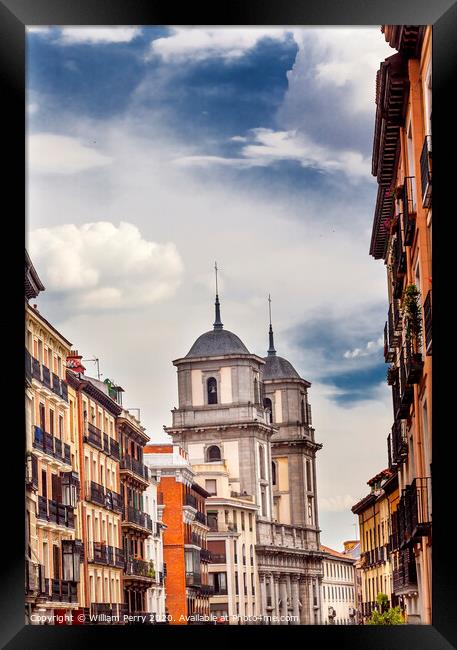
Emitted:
pixel 14 16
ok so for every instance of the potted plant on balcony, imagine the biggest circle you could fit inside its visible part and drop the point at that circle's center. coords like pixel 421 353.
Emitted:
pixel 385 615
pixel 413 333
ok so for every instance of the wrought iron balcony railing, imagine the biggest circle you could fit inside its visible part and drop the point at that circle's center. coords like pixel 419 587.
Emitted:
pixel 190 500
pixel 36 370
pixel 409 210
pixel 51 446
pixel 405 574
pixel 414 364
pixel 193 579
pixel 55 512
pixel 426 172
pixel 103 496
pixel 135 466
pixel 134 516
pixel 138 567
pixel 413 512
pixel 428 323
pixel 93 436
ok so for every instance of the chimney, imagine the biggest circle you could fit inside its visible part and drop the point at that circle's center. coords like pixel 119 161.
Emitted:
pixel 74 362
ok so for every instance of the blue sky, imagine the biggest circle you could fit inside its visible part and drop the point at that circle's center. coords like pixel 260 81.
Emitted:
pixel 154 151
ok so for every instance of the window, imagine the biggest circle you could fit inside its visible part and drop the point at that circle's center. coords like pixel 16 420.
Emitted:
pixel 263 497
pixel 273 472
pixel 212 520
pixel 242 521
pixel 268 406
pixel 213 453
pixel 309 484
pixel 211 386
pixel 211 486
pixel 250 522
pixel 252 555
pixel 243 552
pixel 303 411
pixel 256 391
pixel 262 461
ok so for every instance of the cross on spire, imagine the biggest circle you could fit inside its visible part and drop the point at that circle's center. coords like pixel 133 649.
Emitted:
pixel 217 325
pixel 271 349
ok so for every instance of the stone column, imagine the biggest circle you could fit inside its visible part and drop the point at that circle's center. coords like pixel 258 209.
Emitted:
pixel 319 600
pixel 311 601
pixel 283 596
pixel 276 597
pixel 263 594
pixel 295 599
pixel 304 599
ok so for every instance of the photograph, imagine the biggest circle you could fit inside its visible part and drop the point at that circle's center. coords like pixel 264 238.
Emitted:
pixel 229 227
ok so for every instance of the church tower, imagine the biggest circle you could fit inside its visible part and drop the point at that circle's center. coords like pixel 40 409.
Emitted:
pixel 293 445
pixel 220 414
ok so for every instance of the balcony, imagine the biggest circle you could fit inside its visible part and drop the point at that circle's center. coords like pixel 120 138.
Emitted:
pixel 51 446
pixel 137 517
pixel 426 172
pixel 193 579
pixel 139 568
pixel 205 555
pixel 133 465
pixel 49 379
pixel 394 537
pixel 399 253
pixel 409 210
pixel 201 518
pixel 399 443
pixel 414 365
pixel 93 436
pixel 28 366
pixel 115 451
pixel 31 476
pixel 54 512
pixel 389 352
pixel 405 574
pixel 414 518
pixel 63 591
pixel 206 590
pixel 190 500
pixel 103 497
pixel 428 323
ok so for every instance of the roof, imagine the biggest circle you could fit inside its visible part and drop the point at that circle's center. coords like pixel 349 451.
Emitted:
pixel 33 284
pixel 385 473
pixel 278 368
pixel 217 342
pixel 35 311
pixel 331 551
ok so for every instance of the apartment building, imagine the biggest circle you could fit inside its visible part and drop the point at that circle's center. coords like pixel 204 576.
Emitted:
pixel 155 595
pixel 98 405
pixel 401 237
pixel 52 578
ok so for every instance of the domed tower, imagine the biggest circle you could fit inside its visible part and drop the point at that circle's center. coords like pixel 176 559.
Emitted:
pixel 220 416
pixel 293 445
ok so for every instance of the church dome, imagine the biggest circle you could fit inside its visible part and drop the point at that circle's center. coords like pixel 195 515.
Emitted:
pixel 278 368
pixel 216 343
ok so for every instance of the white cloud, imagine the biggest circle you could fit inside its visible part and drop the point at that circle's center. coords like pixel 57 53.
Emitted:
pixel 196 43
pixel 268 146
pixel 98 266
pixel 60 154
pixel 38 30
pixel 97 35
pixel 32 108
pixel 371 348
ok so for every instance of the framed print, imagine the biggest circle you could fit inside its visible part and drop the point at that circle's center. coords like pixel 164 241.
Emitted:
pixel 228 414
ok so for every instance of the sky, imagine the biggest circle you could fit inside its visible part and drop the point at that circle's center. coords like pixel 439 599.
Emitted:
pixel 154 151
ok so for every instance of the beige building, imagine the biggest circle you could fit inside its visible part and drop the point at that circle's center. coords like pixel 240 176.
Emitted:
pixel 231 543
pixel 52 468
pixel 339 595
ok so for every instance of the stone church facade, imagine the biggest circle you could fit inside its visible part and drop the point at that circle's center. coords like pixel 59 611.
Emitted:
pixel 251 414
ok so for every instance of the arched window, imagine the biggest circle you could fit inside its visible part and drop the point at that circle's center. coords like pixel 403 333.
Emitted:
pixel 273 472
pixel 262 461
pixel 252 555
pixel 269 408
pixel 213 453
pixel 211 385
pixel 243 552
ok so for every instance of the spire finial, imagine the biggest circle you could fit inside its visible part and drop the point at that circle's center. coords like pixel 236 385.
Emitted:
pixel 217 323
pixel 271 349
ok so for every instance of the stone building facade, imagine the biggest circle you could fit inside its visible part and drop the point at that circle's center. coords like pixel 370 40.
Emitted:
pixel 253 413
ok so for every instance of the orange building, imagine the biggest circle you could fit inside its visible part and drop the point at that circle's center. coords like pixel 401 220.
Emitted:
pixel 184 542
pixel 402 234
